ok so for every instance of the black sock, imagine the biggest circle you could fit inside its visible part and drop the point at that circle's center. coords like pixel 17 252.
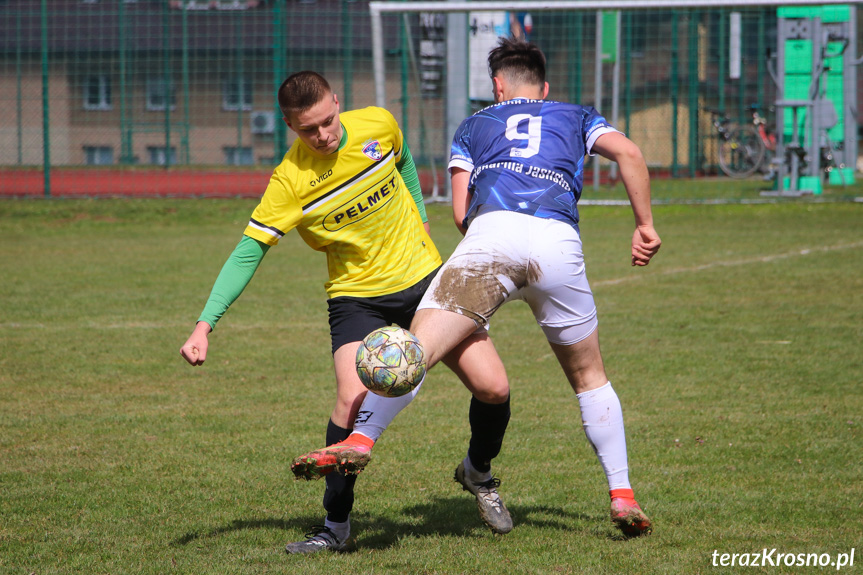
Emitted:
pixel 488 423
pixel 339 496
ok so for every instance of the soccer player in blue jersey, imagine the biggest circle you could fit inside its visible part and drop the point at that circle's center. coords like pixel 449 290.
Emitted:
pixel 517 170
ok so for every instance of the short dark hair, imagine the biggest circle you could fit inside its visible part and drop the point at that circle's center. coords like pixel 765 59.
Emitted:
pixel 301 91
pixel 520 62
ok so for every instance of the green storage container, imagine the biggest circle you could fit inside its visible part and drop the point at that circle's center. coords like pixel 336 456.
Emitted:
pixel 798 56
pixel 841 177
pixel 836 13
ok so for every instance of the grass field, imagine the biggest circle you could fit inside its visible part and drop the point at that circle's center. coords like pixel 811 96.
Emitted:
pixel 736 354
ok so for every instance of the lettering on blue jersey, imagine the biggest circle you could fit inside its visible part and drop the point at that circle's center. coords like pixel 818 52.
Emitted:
pixel 512 166
pixel 372 149
pixel 362 205
pixel 550 175
pixel 527 156
pixel 321 178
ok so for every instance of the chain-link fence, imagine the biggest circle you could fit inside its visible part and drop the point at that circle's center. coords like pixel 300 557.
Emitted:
pixel 169 87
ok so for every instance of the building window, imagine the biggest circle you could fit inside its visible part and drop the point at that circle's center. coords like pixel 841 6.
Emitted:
pixel 237 94
pixel 238 156
pixel 160 94
pixel 97 93
pixel 157 155
pixel 99 155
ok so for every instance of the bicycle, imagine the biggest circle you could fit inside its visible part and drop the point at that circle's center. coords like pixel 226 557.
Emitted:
pixel 743 149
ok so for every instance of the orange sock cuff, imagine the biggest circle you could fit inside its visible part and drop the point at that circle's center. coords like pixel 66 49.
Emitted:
pixel 622 494
pixel 359 439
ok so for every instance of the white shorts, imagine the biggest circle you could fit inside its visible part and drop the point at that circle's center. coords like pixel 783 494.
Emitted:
pixel 509 256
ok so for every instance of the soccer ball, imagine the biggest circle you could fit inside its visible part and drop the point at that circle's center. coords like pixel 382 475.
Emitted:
pixel 390 361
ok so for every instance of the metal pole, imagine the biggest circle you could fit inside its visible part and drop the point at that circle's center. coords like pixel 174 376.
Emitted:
pixel 125 128
pixel 378 56
pixel 574 52
pixel 18 97
pixel 741 82
pixel 627 97
pixel 280 140
pixel 186 89
pixel 238 24
pixel 166 87
pixel 615 88
pixel 405 75
pixel 456 79
pixel 723 62
pixel 851 112
pixel 347 56
pixel 694 85
pixel 675 85
pixel 762 57
pixel 597 87
pixel 46 111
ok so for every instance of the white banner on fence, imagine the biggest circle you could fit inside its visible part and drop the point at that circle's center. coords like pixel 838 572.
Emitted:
pixel 485 29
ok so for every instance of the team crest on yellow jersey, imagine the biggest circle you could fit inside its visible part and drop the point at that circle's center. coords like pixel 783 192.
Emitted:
pixel 372 149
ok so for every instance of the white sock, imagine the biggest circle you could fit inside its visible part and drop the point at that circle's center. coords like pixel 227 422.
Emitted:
pixel 377 412
pixel 471 473
pixel 340 530
pixel 602 419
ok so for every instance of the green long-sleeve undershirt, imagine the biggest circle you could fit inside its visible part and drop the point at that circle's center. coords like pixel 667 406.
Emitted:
pixel 233 279
pixel 408 171
pixel 247 256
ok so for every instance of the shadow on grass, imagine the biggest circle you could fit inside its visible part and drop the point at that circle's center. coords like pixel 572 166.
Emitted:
pixel 247 524
pixel 456 517
pixel 442 517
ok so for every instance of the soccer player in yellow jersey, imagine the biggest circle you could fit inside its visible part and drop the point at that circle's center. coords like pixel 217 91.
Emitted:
pixel 349 186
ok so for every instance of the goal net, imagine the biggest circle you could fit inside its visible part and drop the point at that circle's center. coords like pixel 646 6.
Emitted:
pixel 652 68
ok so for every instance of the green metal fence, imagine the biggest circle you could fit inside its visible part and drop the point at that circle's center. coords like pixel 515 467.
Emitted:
pixel 167 86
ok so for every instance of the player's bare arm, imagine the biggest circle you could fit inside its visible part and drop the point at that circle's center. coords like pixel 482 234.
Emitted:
pixel 460 197
pixel 195 349
pixel 636 180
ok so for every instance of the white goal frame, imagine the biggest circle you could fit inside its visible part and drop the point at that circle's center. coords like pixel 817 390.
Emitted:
pixel 378 7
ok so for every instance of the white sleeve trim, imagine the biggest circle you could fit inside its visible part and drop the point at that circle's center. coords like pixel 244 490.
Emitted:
pixel 596 134
pixel 459 163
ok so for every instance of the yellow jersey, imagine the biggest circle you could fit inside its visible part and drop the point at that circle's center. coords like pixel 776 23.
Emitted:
pixel 352 205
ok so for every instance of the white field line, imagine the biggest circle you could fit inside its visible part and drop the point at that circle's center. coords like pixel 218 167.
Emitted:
pixel 731 263
pixel 611 282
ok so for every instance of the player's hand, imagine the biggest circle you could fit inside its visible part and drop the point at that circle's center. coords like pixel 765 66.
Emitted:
pixel 195 349
pixel 645 244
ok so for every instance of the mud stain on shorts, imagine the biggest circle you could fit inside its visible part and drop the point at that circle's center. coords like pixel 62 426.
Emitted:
pixel 478 289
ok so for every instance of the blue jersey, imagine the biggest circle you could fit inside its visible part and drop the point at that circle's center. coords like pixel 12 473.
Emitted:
pixel 527 156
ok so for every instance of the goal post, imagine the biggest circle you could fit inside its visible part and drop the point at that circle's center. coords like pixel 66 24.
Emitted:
pixel 684 64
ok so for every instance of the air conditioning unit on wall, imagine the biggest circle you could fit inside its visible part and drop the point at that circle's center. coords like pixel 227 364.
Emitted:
pixel 263 122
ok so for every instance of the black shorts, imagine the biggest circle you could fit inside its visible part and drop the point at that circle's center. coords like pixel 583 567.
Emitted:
pixel 353 318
